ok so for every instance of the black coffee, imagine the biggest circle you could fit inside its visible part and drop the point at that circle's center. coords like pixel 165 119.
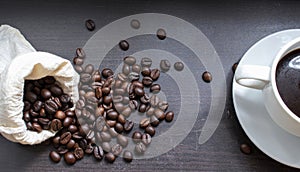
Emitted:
pixel 288 80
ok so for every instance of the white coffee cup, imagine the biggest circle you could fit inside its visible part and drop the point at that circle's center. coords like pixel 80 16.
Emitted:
pixel 264 78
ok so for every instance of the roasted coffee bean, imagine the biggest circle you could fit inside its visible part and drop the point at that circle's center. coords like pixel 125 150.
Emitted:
pixel 71 144
pixel 76 136
pixel 136 84
pixel 144 122
pixel 107 100
pixel 178 66
pixel 90 24
pixel 122 77
pixel 128 125
pixel 57 101
pixel 154 121
pixel 47 80
pixel 89 149
pixel 78 68
pixel 136 136
pixel 27 106
pixel 119 127
pixel 111 123
pixel 26 116
pixel 140 148
pixel 125 100
pixel 155 88
pixel 83 143
pixel 163 105
pixel 133 104
pixel 37 127
pixel 165 65
pixel 50 107
pixel 105 90
pixel 69 158
pixel 127 156
pixel 62 150
pixel 117 99
pixel 112 115
pixel 107 72
pixel 143 108
pixel 106 137
pixel 98 152
pixel 110 157
pixel 146 62
pixel 159 114
pixel 121 119
pixel 136 68
pixel 65 138
pixel 43 113
pixel 56 90
pixel 89 69
pixel 133 76
pixel 45 93
pixel 97 79
pixel 150 111
pixel 145 99
pixel 35 120
pixel 72 128
pixel 89 95
pixel 126 69
pixel 78 153
pixel 234 66
pixel 29 126
pixel 79 105
pixel 86 88
pixel 99 111
pixel 60 115
pixel 146 138
pixel 85 77
pixel 64 99
pixel 129 60
pixel 67 121
pixel 147 81
pixel 116 149
pixel 113 132
pixel 161 34
pixel 126 112
pixel 43 121
pixel 33 113
pixel 169 116
pixel 36 90
pixel 119 91
pixel 118 83
pixel 124 45
pixel 207 77
pixel 80 53
pixel 122 140
pixel 106 146
pixel 150 130
pixel 54 156
pixel 55 140
pixel 70 113
pixel 155 73
pixel 139 91
pixel 31 97
pixel 245 148
pixel 146 71
pixel 78 61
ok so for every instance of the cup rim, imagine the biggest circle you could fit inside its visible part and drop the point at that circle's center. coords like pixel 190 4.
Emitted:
pixel 282 53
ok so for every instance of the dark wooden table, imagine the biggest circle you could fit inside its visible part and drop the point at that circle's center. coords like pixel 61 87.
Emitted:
pixel 231 26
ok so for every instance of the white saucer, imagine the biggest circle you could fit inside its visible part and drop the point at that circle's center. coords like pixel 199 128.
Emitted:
pixel 250 110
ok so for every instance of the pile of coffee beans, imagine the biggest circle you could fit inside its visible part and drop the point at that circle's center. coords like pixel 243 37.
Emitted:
pixel 45 105
pixel 108 99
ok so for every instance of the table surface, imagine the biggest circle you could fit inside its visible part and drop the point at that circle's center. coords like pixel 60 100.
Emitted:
pixel 231 26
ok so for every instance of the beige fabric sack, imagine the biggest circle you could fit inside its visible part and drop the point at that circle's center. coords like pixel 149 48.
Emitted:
pixel 20 61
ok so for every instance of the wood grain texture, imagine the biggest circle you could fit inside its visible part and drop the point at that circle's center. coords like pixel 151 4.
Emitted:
pixel 231 26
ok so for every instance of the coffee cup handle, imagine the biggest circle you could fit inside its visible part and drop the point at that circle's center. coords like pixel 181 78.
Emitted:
pixel 253 76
